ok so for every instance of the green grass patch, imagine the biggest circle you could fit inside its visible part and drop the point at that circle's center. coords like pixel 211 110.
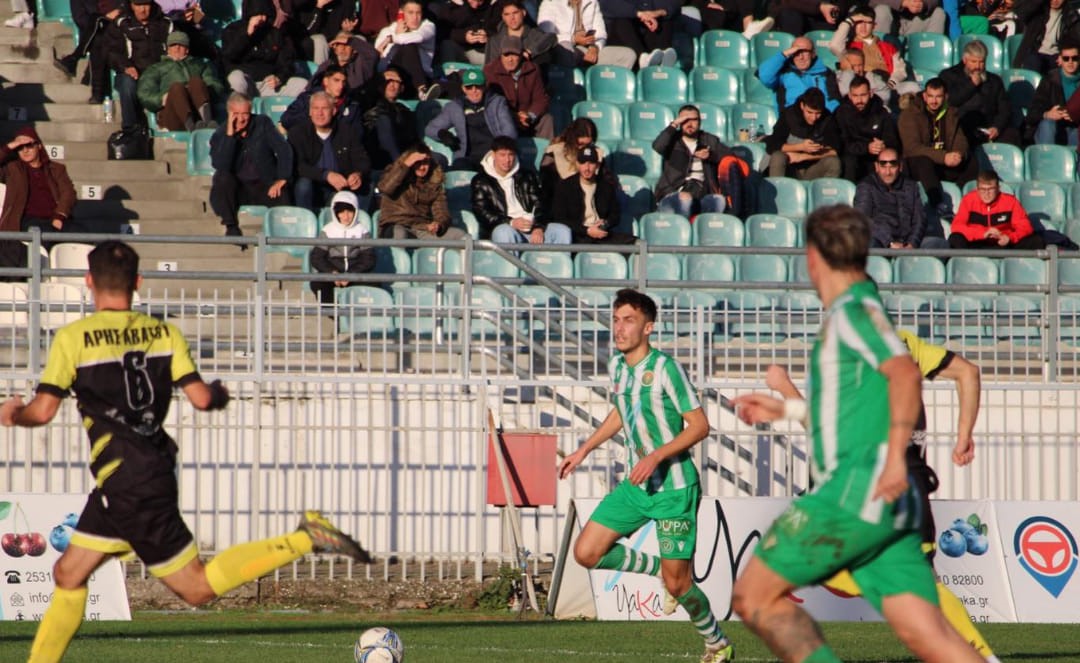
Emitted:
pixel 458 637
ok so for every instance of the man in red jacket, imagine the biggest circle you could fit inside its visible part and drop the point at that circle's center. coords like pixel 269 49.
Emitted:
pixel 990 219
pixel 520 82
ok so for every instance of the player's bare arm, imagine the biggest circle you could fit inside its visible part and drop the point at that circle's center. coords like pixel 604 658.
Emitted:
pixel 905 399
pixel 777 379
pixel 612 425
pixel 203 396
pixel 39 411
pixel 968 387
pixel 758 408
pixel 695 430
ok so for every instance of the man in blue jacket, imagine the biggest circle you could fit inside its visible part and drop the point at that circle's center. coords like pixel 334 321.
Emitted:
pixel 468 125
pixel 252 164
pixel 791 72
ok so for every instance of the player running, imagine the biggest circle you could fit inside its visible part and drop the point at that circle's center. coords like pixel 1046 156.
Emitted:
pixel 122 366
pixel 864 400
pixel 658 412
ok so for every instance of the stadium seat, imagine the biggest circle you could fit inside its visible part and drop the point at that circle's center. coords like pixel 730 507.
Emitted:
pixel 712 229
pixel 272 106
pixel 70 255
pixel 607 117
pixel 658 267
pixel 417 312
pixel 1024 271
pixel 709 267
pixel 599 265
pixel 365 311
pixel 926 270
pixel 610 84
pixel 486 311
pixel 591 316
pixel 755 117
pixel 441 152
pixel 666 85
pixel 554 265
pixel 198 153
pixel 531 151
pixel 714 120
pixel 490 263
pixel 1044 203
pixel 1050 163
pixel 566 84
pixel 288 221
pixel 951 193
pixel 995 50
pixel 880 269
pixel 821 39
pixel 797 269
pixel 437 260
pixel 1020 85
pixel 764 44
pixel 637 199
pixel 1004 159
pixel 724 48
pixel 1068 273
pixel 58 11
pixel 753 154
pixel 972 270
pixel 755 91
pixel 393 260
pixel 782 195
pixel 466 220
pixel 1012 45
pixel 1073 192
pixel 771 231
pixel 458 185
pixel 750 316
pixel 929 50
pixel 831 191
pixel 1072 229
pixel 665 229
pixel 795 309
pixel 12 297
pixel 646 119
pixel 715 85
pixel 61 304
pixel 637 157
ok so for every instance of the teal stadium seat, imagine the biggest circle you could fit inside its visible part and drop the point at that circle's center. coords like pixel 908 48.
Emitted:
pixel 611 84
pixel 566 84
pixel 798 272
pixel 1012 45
pixel 1050 163
pixel 1044 203
pixel 291 222
pixel 58 11
pixel 724 48
pixel 880 269
pixel 600 265
pixel 1020 85
pixel 920 76
pixel 665 229
pixel 771 231
pixel 658 267
pixel 365 311
pixel 483 302
pixel 754 90
pixel 1069 271
pixel 198 153
pixel 417 311
pixel 273 106
pixel 749 316
pixel 426 260
pixel 715 85
pixel 821 39
pixel 714 229
pixel 466 220
pixel 700 267
pixel 764 44
pixel 666 85
pixel 637 157
pixel 972 270
pixel 1072 229
pixel 607 117
pixel 752 116
pixel 831 191
pixel 965 309
pixel 995 50
pixel 753 154
pixel 458 185
pixel 554 265
pixel 646 119
pixel 1004 159
pixel 531 151
pixel 714 120
pixel 393 260
pixel 918 269
pixel 440 151
pixel 929 50
pixel 1073 191
pixel 490 263
pixel 782 195
pixel 637 199
pixel 157 132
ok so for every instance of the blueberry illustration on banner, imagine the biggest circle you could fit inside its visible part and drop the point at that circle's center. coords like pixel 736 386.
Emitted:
pixel 1046 550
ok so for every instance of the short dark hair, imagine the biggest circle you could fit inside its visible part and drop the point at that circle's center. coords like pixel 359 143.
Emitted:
pixel 334 69
pixel 859 81
pixel 512 3
pixel 1068 42
pixel 114 266
pixel 411 2
pixel 863 10
pixel 841 234
pixel 813 98
pixel 636 300
pixel 504 143
pixel 936 83
pixel 988 176
pixel 689 107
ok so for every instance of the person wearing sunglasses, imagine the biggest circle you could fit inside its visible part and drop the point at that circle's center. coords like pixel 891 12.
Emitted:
pixel 39 192
pixel 891 201
pixel 1047 25
pixel 469 124
pixel 1048 120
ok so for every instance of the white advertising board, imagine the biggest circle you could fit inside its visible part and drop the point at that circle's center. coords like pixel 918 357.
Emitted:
pixel 1039 541
pixel 34 530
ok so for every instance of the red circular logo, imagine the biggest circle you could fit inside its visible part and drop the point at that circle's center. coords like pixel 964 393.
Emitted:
pixel 1046 549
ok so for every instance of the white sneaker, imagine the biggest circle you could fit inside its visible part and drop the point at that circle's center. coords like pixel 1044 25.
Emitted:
pixel 671 604
pixel 755 27
pixel 721 652
pixel 669 57
pixel 22 20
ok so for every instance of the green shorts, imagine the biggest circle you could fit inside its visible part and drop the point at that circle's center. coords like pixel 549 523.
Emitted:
pixel 814 538
pixel 628 508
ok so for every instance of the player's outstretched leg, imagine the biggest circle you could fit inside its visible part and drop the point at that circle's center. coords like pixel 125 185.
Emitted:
pixel 245 562
pixel 958 616
pixel 59 625
pixel 621 558
pixel 678 582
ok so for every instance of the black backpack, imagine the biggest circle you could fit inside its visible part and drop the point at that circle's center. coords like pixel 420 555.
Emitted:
pixel 131 143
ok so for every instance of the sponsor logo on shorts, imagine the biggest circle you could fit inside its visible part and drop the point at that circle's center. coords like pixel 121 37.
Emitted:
pixel 672 527
pixel 666 546
pixel 1046 549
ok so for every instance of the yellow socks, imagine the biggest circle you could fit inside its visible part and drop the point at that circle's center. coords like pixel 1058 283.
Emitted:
pixel 958 616
pixel 59 625
pixel 247 561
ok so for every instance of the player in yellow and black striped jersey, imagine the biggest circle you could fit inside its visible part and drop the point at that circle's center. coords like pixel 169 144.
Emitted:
pixel 122 366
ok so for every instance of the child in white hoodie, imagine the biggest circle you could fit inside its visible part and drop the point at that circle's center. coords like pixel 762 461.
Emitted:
pixel 337 256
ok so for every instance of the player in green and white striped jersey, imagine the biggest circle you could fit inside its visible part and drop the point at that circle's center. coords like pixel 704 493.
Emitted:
pixel 658 412
pixel 862 515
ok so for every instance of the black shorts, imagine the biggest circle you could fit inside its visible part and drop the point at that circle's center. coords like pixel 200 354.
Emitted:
pixel 924 479
pixel 136 509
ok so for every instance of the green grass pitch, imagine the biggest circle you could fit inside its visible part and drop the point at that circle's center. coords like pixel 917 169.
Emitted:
pixel 460 637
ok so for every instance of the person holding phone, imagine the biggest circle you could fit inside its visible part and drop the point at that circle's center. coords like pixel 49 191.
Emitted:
pixel 1048 121
pixel 469 23
pixel 582 37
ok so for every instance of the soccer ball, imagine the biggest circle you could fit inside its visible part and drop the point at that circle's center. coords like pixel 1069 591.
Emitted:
pixel 379 645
